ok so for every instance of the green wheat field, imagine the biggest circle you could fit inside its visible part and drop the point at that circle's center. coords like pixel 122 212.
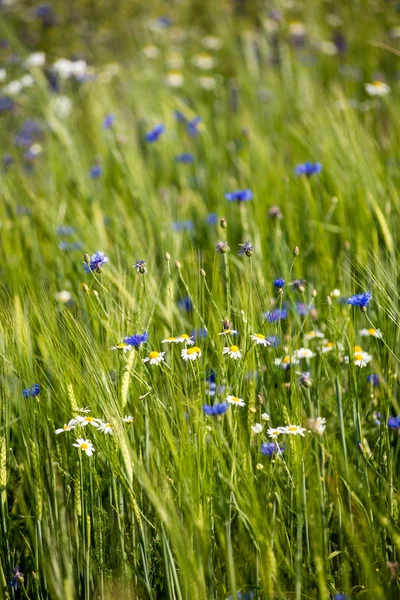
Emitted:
pixel 199 300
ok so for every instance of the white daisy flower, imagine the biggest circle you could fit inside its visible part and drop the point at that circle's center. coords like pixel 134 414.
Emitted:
pixel 232 351
pixel 293 430
pixel 106 428
pixel 228 332
pixel 327 347
pixel 377 88
pixel 154 357
pixel 13 88
pixel 191 353
pixel 260 339
pixel 361 359
pixel 211 42
pixel 274 432
pixel 205 62
pixel 257 428
pixel 206 82
pixel 83 421
pixel 265 417
pixel 184 337
pixel 3 74
pixel 303 353
pixel 170 340
pixel 317 425
pixel 285 362
pixel 36 59
pixel 174 79
pixel 83 410
pixel 151 52
pixel 335 293
pixel 371 332
pixel 122 346
pixel 85 445
pixel 312 335
pixel 67 427
pixel 63 297
pixel 235 400
pixel 128 419
pixel 27 81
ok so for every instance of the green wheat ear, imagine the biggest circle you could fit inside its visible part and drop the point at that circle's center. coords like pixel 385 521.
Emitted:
pixel 126 378
pixel 72 399
pixel 3 469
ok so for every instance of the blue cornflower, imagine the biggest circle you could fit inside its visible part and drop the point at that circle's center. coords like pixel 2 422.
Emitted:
pixel 16 579
pixel 239 196
pixel 31 392
pixel 192 126
pixel 276 315
pixel 182 225
pixel 373 378
pixel 108 121
pixel 246 249
pixel 95 262
pixel 302 309
pixel 95 172
pixel 279 283
pixel 273 340
pixel 216 409
pixel 308 169
pixel 137 339
pixel 394 422
pixel 180 117
pixel 23 140
pixel 340 597
pixel 165 21
pixel 361 300
pixel 6 103
pixel 185 158
pixel 8 160
pixel 140 266
pixel 199 333
pixel 65 230
pixel 298 284
pixel 242 596
pixel 186 303
pixel 154 134
pixel 270 448
pixel 212 219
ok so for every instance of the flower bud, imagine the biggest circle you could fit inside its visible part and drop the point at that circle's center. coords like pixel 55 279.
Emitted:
pixel 202 272
pixel 178 265
pixel 314 293
pixel 85 288
pixel 223 224
pixel 86 259
pixel 296 251
pixel 167 256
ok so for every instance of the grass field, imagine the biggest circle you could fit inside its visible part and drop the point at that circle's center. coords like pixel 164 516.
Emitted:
pixel 238 166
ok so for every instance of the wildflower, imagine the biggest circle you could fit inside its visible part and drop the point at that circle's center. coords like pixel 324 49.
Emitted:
pixel 154 357
pixel 274 212
pixel 235 400
pixel 199 333
pixel 257 428
pixel 205 62
pixel 303 353
pixel 304 379
pixel 83 410
pixel 308 169
pixel 65 230
pixel 340 597
pixel 192 126
pixel 270 448
pixel 31 392
pixel 274 432
pixel 265 417
pixel 185 158
pixel 361 359
pixel 64 297
pixel 361 300
pixel 67 427
pixel 137 339
pixel 314 334
pixel 294 430
pixel 122 346
pixel 222 247
pixel 228 331
pixel 273 340
pixel 394 422
pixel 85 445
pixel 260 339
pixel 327 347
pixel 239 196
pixel 36 59
pixel 206 82
pixel 259 466
pixel 17 579
pixel 377 88
pixel 95 172
pixel 95 262
pixel 191 353
pixel 154 134
pixel 216 409
pixel 127 419
pixel 140 267
pixel 186 303
pixel 276 315
pixel 335 293
pixel 83 421
pixel 279 283
pixel 298 284
pixel 371 332
pixel 182 225
pixel 232 351
pixel 246 249
pixel 285 362
pixel 174 79
pixel 108 121
pixel 373 378
pixel 106 428
pixel 317 425
pixel 211 42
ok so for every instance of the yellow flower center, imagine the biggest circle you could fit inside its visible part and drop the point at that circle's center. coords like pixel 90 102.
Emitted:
pixel 377 83
pixel 184 336
pixel 89 419
pixel 194 350
pixel 260 336
pixel 108 425
pixel 235 399
pixel 358 349
pixel 122 345
pixel 329 345
pixel 171 339
pixel 292 428
pixel 311 334
pixel 154 354
pixel 286 359
pixel 371 331
pixel 65 427
pixel 234 348
pixel 84 446
pixel 358 356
